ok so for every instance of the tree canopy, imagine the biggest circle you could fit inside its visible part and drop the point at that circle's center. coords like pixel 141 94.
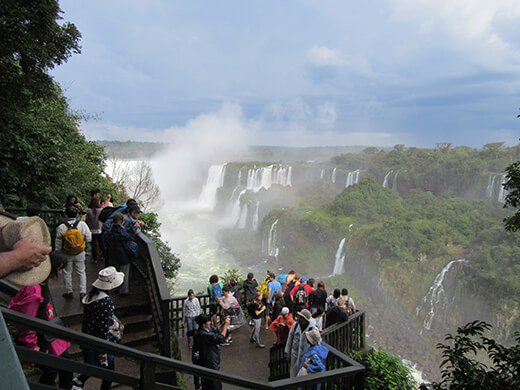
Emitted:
pixel 44 155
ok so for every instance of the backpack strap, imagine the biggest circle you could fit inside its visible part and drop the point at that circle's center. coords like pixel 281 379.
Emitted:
pixel 75 226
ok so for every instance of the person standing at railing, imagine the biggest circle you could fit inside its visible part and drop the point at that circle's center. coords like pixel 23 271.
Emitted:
pixel 214 291
pixel 122 249
pixel 313 360
pixel 297 344
pixel 98 312
pixel 95 225
pixel 190 310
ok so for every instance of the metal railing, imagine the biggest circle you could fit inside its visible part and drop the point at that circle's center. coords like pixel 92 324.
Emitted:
pixel 342 372
pixel 343 338
pixel 347 336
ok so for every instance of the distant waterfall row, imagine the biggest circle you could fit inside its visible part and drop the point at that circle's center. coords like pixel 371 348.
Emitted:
pixel 352 177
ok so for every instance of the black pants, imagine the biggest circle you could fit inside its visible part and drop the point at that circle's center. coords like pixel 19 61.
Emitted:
pixel 49 375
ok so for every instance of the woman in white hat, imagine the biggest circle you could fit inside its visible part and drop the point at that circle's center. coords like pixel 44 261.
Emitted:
pixel 98 310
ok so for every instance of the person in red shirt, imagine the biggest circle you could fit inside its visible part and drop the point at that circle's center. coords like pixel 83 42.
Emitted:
pixel 300 301
pixel 281 325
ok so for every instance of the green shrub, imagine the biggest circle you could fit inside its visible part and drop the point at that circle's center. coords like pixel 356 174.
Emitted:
pixel 384 371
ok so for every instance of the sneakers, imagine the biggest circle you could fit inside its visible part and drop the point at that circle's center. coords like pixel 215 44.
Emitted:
pixel 76 384
pixel 67 295
pixel 260 345
pixel 225 344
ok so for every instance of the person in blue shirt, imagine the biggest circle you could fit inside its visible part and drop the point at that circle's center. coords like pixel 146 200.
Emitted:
pixel 272 288
pixel 313 360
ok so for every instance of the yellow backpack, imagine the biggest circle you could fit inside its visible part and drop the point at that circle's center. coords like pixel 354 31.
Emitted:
pixel 263 288
pixel 73 241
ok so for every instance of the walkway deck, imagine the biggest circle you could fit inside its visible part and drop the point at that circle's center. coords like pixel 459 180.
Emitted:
pixel 240 358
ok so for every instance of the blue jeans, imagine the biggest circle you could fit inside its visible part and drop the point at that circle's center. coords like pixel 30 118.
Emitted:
pixel 192 325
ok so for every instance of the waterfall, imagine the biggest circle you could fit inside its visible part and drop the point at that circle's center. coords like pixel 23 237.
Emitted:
pixel 385 180
pixel 265 177
pixel 215 180
pixel 490 186
pixel 394 184
pixel 333 177
pixel 235 209
pixel 437 296
pixel 239 181
pixel 270 247
pixel 340 259
pixel 502 193
pixel 322 173
pixel 254 225
pixel 352 178
pixel 242 220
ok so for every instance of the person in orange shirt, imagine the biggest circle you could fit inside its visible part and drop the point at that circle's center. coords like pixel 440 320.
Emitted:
pixel 281 325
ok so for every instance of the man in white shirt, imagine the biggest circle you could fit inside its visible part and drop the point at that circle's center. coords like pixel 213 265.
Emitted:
pixel 73 261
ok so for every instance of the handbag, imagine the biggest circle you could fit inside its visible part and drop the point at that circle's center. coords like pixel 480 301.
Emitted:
pixel 54 321
pixel 116 329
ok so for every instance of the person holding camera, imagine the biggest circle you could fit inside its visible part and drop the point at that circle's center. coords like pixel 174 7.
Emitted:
pixel 207 343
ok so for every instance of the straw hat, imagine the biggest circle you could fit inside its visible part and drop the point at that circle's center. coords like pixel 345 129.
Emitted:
pixel 109 278
pixel 305 314
pixel 12 231
pixel 313 336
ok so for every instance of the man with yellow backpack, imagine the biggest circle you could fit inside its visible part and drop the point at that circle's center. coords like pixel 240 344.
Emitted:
pixel 71 238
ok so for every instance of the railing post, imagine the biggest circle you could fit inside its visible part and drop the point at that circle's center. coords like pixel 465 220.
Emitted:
pixel 147 375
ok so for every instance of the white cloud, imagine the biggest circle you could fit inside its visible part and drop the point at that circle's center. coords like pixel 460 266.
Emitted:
pixel 474 27
pixel 323 56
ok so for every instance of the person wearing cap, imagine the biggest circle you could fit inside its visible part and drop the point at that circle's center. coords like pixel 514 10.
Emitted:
pixel 313 360
pixel 308 290
pixel 120 242
pixel 131 215
pixel 297 344
pixel 98 309
pixel 282 325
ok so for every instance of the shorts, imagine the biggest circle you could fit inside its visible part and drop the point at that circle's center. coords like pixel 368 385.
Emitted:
pixel 213 308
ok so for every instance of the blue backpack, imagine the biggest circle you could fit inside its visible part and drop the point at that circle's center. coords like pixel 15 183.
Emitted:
pixel 216 291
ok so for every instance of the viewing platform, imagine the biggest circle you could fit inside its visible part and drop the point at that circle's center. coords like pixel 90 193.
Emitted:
pixel 154 352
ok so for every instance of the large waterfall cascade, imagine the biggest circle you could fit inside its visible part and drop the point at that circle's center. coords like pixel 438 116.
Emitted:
pixel 265 177
pixel 437 300
pixel 215 180
pixel 333 177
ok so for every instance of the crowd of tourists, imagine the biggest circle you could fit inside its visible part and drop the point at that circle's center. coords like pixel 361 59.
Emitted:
pixel 293 307
pixel 112 231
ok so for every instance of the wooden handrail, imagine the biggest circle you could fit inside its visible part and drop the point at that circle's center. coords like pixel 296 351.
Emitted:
pixel 351 373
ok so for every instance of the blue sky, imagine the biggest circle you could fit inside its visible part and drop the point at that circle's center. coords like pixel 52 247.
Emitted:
pixel 298 73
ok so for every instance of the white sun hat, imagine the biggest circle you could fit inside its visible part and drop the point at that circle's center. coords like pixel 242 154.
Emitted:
pixel 109 278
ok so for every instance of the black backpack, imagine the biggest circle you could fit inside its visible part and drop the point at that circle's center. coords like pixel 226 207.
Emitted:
pixel 300 296
pixel 106 213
